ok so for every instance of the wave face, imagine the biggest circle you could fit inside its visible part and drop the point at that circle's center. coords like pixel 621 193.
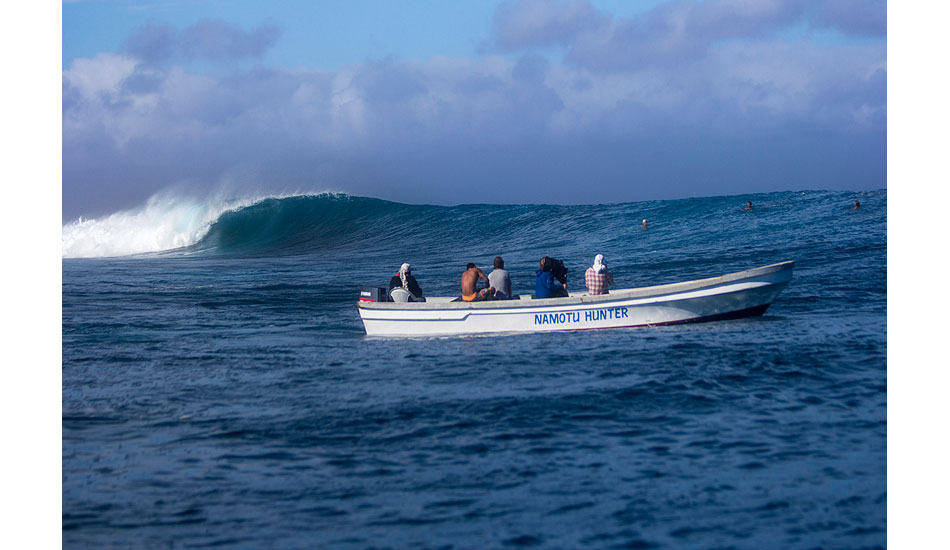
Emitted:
pixel 295 225
pixel 311 224
pixel 688 238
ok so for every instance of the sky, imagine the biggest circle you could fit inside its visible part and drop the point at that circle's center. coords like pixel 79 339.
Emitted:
pixel 517 101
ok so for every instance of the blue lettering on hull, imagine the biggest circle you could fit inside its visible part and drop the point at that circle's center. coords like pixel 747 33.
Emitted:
pixel 574 317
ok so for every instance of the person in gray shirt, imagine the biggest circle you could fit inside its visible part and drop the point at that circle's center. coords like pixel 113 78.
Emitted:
pixel 500 280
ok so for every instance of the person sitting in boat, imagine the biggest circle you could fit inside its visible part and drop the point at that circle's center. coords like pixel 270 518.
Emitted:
pixel 405 280
pixel 470 281
pixel 547 284
pixel 598 277
pixel 499 280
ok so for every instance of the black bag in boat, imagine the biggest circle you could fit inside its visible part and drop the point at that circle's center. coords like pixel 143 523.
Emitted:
pixel 557 269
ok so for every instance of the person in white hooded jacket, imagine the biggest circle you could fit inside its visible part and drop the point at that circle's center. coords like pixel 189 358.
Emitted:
pixel 404 279
pixel 598 277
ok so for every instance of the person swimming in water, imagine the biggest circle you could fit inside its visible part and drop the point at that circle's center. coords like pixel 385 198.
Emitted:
pixel 644 224
pixel 748 205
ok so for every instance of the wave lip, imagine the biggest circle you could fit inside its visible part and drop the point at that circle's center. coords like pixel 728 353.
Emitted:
pixel 165 223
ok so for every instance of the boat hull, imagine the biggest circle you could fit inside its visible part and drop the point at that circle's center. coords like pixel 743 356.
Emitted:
pixel 742 294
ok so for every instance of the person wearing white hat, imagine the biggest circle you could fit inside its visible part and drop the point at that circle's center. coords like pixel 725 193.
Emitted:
pixel 404 279
pixel 598 277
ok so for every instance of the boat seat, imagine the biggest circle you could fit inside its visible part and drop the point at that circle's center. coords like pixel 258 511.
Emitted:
pixel 398 294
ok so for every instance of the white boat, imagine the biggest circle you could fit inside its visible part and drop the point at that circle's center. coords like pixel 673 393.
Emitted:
pixel 743 294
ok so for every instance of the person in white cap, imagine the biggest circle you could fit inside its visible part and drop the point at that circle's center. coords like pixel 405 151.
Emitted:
pixel 404 279
pixel 598 277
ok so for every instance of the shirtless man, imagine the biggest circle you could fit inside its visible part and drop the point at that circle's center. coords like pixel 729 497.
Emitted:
pixel 470 280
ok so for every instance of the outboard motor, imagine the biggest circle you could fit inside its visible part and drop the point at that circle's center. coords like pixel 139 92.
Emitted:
pixel 373 294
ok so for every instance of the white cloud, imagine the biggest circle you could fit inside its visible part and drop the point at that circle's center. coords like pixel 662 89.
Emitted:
pixel 103 73
pixel 130 129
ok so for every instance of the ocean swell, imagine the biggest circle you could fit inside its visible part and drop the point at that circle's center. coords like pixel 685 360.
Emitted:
pixel 688 231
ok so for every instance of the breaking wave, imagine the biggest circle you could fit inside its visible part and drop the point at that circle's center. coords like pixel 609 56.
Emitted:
pixel 172 223
pixel 317 223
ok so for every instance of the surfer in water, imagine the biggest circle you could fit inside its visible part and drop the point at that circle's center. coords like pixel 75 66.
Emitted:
pixel 470 281
pixel 748 205
pixel 644 224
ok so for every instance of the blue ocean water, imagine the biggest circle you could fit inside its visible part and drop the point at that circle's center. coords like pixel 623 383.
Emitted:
pixel 224 394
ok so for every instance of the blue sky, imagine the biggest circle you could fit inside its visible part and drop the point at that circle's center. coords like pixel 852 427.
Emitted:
pixel 320 35
pixel 521 101
pixel 315 34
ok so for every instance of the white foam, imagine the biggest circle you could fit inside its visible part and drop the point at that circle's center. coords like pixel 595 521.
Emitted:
pixel 166 222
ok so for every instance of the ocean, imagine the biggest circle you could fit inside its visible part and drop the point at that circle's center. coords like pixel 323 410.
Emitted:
pixel 218 389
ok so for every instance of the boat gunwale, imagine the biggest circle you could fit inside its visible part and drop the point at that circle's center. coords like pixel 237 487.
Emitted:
pixel 614 295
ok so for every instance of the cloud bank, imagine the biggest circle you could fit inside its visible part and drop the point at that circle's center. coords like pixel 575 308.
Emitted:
pixel 566 104
pixel 207 39
pixel 673 33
